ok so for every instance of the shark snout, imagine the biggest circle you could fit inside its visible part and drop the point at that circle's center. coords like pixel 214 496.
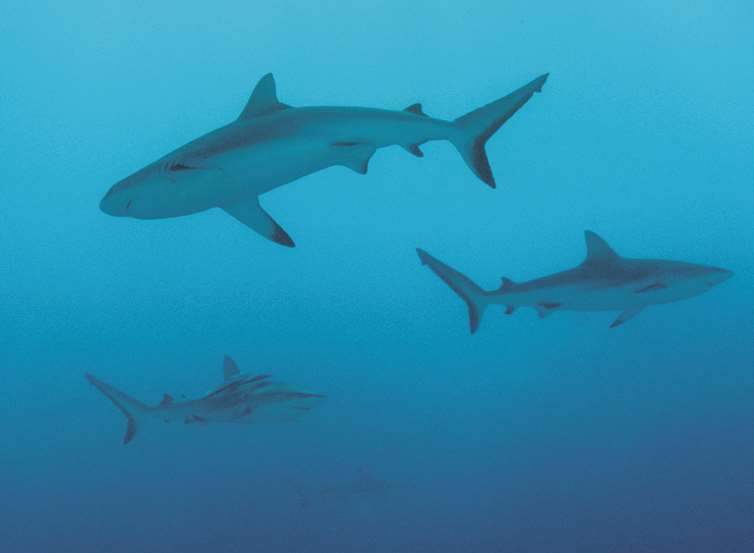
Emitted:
pixel 718 276
pixel 115 202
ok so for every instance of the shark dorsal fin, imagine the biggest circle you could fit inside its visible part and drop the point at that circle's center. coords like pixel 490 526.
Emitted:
pixel 167 399
pixel 597 250
pixel 230 369
pixel 506 284
pixel 416 109
pixel 264 99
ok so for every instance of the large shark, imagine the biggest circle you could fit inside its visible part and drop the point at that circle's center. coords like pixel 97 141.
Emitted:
pixel 240 398
pixel 605 281
pixel 272 144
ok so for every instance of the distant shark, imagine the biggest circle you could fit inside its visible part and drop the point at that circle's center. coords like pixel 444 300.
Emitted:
pixel 605 281
pixel 240 399
pixel 362 483
pixel 272 144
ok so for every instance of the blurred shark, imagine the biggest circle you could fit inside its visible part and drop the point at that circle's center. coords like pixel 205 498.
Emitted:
pixel 362 483
pixel 240 399
pixel 605 281
pixel 272 144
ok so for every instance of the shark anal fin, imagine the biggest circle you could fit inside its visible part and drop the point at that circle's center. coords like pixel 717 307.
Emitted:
pixel 414 150
pixel 416 109
pixel 545 308
pixel 263 99
pixel 355 155
pixel 626 315
pixel 251 214
pixel 509 309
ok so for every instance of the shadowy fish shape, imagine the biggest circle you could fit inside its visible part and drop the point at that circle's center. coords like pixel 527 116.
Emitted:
pixel 272 144
pixel 605 281
pixel 239 399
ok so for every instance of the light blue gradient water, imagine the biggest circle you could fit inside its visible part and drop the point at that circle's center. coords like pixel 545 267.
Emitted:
pixel 532 436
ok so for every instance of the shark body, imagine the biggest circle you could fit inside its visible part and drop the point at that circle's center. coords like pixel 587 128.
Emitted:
pixel 240 398
pixel 605 281
pixel 272 144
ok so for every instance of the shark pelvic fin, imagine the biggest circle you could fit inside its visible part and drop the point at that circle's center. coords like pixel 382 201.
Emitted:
pixel 416 109
pixel 251 214
pixel 263 99
pixel 355 155
pixel 414 150
pixel 230 369
pixel 597 249
pixel 626 315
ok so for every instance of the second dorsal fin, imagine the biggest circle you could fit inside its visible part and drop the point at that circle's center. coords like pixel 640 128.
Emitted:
pixel 264 99
pixel 167 399
pixel 416 109
pixel 597 250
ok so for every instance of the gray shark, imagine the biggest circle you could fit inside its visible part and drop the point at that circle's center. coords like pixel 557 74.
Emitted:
pixel 605 281
pixel 272 144
pixel 240 399
pixel 362 483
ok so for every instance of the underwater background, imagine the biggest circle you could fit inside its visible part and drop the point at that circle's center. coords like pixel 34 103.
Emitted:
pixel 531 436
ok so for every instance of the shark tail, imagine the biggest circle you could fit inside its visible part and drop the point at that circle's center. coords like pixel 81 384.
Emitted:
pixel 127 405
pixel 476 299
pixel 476 127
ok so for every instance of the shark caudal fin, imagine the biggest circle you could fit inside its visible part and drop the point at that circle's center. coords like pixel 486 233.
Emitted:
pixel 125 404
pixel 475 128
pixel 475 297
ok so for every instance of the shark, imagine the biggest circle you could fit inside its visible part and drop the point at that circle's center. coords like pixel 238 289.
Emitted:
pixel 272 144
pixel 361 483
pixel 241 398
pixel 605 281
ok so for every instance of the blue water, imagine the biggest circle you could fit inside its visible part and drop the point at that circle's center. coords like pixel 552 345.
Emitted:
pixel 532 435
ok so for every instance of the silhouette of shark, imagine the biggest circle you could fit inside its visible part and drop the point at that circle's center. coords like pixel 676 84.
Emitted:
pixel 272 144
pixel 605 281
pixel 239 399
pixel 362 483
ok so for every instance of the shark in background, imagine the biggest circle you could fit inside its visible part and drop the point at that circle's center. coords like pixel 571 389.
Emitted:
pixel 240 398
pixel 361 484
pixel 605 281
pixel 272 144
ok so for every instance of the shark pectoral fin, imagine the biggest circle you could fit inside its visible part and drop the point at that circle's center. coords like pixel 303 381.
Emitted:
pixel 626 315
pixel 355 155
pixel 251 214
pixel 414 150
